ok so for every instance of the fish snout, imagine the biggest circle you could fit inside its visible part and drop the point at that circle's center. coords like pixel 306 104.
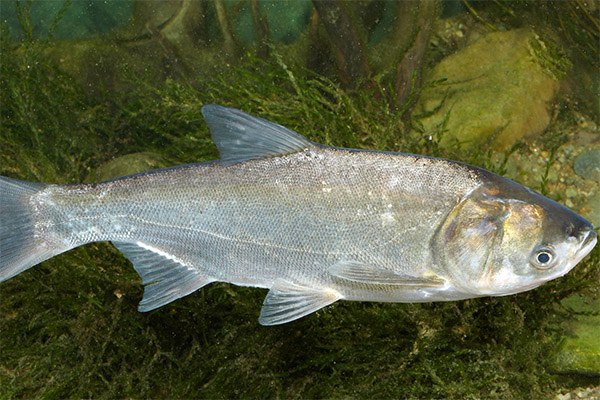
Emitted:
pixel 588 240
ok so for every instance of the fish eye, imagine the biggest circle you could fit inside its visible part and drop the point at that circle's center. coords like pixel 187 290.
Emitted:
pixel 543 258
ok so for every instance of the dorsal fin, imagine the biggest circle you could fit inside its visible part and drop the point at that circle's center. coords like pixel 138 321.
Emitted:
pixel 241 137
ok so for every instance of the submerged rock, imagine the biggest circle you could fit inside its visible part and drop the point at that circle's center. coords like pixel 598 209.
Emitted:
pixel 591 208
pixel 497 89
pixel 130 164
pixel 587 165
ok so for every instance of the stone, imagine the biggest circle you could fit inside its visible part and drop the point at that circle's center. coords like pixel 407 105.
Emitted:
pixel 587 165
pixel 499 90
pixel 129 164
pixel 591 208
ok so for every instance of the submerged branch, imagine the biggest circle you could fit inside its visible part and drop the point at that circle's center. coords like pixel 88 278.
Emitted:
pixel 224 26
pixel 409 69
pixel 345 42
pixel 262 29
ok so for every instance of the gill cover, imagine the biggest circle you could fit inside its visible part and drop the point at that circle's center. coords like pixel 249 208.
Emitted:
pixel 464 244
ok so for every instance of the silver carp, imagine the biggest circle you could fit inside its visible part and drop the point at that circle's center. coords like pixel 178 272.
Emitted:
pixel 313 224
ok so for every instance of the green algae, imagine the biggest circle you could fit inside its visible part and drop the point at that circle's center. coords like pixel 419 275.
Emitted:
pixel 580 350
pixel 550 56
pixel 70 327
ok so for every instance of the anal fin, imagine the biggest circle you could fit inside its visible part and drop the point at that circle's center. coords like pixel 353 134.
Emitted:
pixel 287 301
pixel 165 276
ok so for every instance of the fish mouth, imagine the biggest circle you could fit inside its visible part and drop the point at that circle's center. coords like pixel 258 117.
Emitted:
pixel 588 241
pixel 587 245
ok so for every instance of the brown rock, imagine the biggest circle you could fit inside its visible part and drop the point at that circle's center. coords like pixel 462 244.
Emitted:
pixel 498 89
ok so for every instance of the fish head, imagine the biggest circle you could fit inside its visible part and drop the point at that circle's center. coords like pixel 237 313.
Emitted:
pixel 504 238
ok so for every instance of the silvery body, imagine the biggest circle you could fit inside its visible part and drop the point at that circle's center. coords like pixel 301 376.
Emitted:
pixel 314 224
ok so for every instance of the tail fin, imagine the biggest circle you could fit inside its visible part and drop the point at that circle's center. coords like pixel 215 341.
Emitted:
pixel 19 249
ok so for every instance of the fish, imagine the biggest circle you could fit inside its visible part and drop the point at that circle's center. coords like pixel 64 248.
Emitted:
pixel 311 223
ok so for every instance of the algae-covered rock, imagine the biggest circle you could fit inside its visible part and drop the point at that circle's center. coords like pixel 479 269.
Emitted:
pixel 591 208
pixel 580 352
pixel 130 164
pixel 587 165
pixel 497 89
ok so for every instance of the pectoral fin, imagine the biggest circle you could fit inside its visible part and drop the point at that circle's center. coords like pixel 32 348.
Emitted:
pixel 288 301
pixel 358 272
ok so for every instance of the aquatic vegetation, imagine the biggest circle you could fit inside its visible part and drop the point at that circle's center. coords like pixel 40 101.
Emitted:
pixel 70 327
